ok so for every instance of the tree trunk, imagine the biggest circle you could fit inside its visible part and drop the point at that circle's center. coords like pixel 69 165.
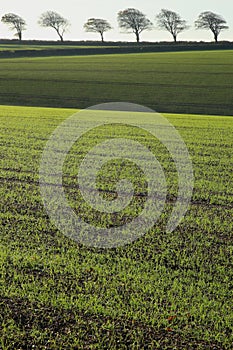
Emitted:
pixel 216 37
pixel 20 36
pixel 102 37
pixel 174 37
pixel 137 37
pixel 59 34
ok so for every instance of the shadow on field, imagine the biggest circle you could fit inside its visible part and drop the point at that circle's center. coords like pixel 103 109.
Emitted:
pixel 28 325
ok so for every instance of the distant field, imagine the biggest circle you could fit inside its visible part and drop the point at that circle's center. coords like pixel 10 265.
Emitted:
pixel 34 48
pixel 187 82
pixel 164 291
pixel 20 47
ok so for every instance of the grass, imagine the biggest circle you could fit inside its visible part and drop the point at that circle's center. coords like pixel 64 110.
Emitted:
pixel 187 82
pixel 164 291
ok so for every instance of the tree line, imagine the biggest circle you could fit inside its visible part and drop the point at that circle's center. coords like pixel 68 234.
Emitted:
pixel 130 20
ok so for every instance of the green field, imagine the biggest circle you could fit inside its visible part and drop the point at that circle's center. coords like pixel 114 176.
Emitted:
pixel 164 291
pixel 187 82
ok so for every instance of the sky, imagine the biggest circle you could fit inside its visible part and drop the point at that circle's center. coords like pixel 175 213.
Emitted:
pixel 78 11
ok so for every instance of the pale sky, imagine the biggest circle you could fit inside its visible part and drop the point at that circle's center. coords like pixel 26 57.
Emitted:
pixel 78 11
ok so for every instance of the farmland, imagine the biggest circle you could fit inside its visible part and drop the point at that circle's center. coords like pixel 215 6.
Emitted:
pixel 188 82
pixel 165 290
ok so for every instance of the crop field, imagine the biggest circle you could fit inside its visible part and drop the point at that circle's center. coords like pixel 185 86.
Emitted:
pixel 163 291
pixel 187 82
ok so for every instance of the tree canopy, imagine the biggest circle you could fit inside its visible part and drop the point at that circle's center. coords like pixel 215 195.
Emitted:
pixel 15 22
pixel 172 22
pixel 134 20
pixel 211 21
pixel 54 20
pixel 97 25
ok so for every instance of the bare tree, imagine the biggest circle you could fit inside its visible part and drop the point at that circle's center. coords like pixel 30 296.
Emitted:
pixel 96 25
pixel 172 22
pixel 54 20
pixel 15 22
pixel 212 21
pixel 135 21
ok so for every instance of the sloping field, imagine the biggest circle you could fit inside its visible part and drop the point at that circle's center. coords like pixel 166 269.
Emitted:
pixel 187 82
pixel 164 291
